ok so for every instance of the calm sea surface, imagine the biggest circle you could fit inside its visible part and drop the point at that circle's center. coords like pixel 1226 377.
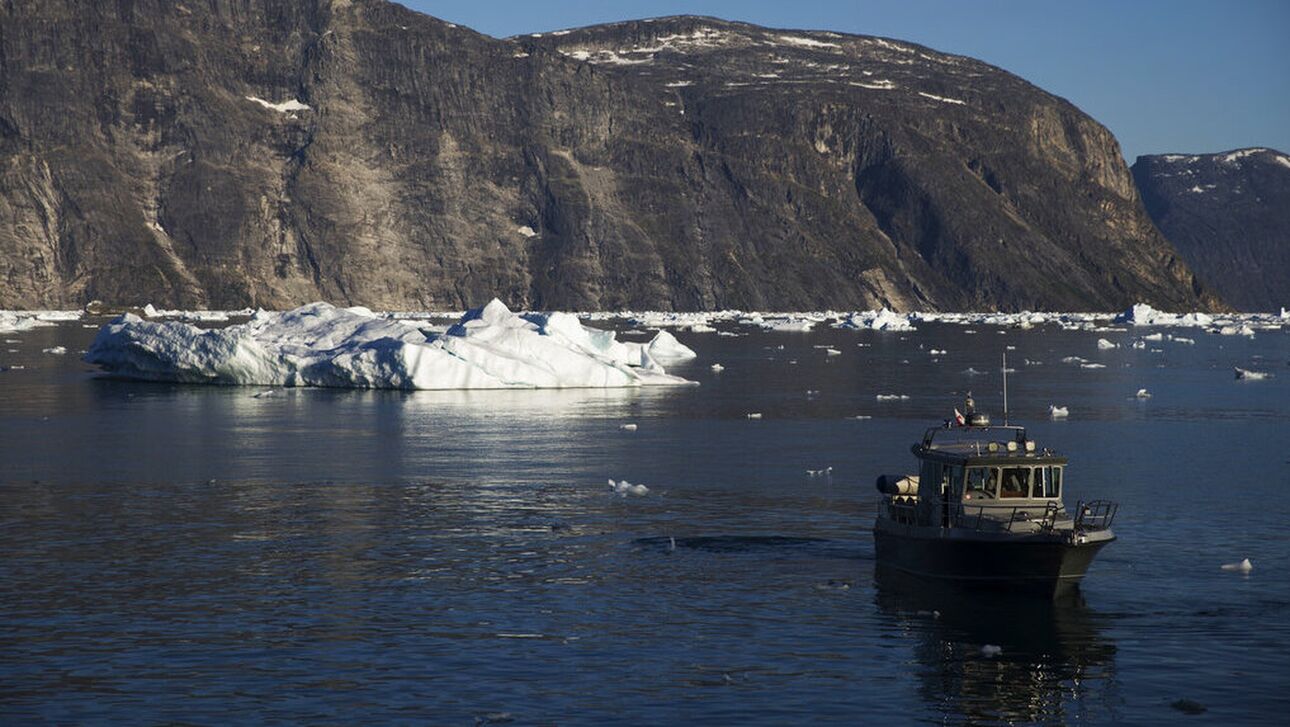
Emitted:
pixel 199 555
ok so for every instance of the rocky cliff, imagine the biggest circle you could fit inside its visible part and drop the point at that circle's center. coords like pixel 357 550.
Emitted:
pixel 1229 216
pixel 224 153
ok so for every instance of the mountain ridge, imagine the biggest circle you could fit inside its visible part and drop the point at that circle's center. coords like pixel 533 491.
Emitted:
pixel 146 159
pixel 1228 214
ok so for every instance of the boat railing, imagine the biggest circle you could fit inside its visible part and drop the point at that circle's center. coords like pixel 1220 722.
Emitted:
pixel 1004 517
pixel 1095 515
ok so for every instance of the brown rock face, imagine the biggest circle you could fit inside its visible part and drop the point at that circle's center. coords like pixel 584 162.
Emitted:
pixel 227 153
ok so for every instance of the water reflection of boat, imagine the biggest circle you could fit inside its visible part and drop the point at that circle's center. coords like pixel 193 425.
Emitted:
pixel 986 509
pixel 1052 651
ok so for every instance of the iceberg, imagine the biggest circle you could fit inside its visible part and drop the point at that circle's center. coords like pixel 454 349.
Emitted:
pixel 881 320
pixel 322 345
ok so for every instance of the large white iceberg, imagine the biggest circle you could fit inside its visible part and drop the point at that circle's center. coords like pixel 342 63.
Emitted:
pixel 322 345
pixel 880 320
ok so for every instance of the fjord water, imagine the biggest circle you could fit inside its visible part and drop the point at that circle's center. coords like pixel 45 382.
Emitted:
pixel 206 555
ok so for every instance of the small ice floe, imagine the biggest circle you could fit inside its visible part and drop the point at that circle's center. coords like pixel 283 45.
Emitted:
pixel 1247 375
pixel 1092 366
pixel 56 350
pixel 1154 337
pixel 1105 345
pixel 1074 360
pixel 812 392
pixel 860 417
pixel 1142 394
pixel 1058 412
pixel 1030 362
pixel 627 427
pixel 990 651
pixel 754 415
pixel 892 397
pixel 938 352
pixel 1139 344
pixel 266 392
pixel 833 352
pixel 717 368
pixel 1184 341
pixel 1245 566
pixel 820 473
pixel 623 488
pixel 969 371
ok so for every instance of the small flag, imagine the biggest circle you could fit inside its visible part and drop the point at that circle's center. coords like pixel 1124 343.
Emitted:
pixel 958 418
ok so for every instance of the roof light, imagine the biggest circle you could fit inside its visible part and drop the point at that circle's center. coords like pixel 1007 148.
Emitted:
pixel 992 447
pixel 1030 445
pixel 1012 446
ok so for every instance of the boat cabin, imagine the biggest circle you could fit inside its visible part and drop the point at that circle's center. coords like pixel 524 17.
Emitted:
pixel 979 477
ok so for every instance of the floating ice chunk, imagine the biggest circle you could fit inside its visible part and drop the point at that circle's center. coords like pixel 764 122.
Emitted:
pixel 16 321
pixel 265 393
pixel 322 345
pixel 627 427
pixel 973 372
pixel 754 415
pixel 860 417
pixel 1105 345
pixel 990 651
pixel 56 350
pixel 938 352
pixel 892 397
pixel 623 488
pixel 717 368
pixel 1139 344
pixel 1074 360
pixel 1248 375
pixel 1142 394
pixel 1245 566
pixel 1092 366
pixel 665 347
pixel 880 320
pixel 832 352
pixel 820 473
pixel 1058 412
pixel 1154 337
pixel 1184 341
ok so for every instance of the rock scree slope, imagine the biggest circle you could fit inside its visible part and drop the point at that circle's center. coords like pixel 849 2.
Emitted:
pixel 230 153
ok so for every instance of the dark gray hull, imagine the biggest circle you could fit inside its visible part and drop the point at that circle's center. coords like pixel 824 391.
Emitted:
pixel 1041 564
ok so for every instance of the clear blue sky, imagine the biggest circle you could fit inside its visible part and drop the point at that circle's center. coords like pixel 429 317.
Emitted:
pixel 1163 75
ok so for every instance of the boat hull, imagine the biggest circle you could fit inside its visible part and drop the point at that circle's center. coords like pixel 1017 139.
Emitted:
pixel 1042 564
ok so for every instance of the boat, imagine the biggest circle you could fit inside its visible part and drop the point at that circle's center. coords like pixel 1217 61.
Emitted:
pixel 986 509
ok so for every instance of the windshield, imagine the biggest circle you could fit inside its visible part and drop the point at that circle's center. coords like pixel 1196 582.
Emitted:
pixel 982 483
pixel 1016 482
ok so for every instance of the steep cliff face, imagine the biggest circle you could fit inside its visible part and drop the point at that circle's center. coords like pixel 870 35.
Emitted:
pixel 1229 216
pixel 228 153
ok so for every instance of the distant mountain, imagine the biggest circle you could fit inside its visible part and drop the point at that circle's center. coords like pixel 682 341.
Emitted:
pixel 225 154
pixel 1229 216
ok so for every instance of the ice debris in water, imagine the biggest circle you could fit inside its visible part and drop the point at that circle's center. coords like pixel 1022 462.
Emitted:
pixel 1247 375
pixel 881 320
pixel 718 368
pixel 892 397
pixel 56 350
pixel 991 650
pixel 1143 394
pixel 322 345
pixel 754 415
pixel 623 488
pixel 1245 566
pixel 1105 345
pixel 627 427
pixel 1058 412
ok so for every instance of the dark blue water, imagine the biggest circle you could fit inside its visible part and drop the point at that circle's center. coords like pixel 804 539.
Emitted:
pixel 199 555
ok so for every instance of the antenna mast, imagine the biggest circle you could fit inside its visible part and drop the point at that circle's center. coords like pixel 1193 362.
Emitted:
pixel 1005 388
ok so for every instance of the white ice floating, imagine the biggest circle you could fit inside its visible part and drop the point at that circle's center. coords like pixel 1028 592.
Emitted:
pixel 1105 345
pixel 56 350
pixel 623 488
pixel 1058 412
pixel 322 345
pixel 1143 394
pixel 754 415
pixel 1245 566
pixel 627 427
pixel 717 368
pixel 1248 375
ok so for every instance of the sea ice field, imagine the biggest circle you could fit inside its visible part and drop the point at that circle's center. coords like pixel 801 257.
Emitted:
pixel 334 541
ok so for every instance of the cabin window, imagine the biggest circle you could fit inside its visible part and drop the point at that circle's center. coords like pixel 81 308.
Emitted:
pixel 1048 483
pixel 982 483
pixel 1015 482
